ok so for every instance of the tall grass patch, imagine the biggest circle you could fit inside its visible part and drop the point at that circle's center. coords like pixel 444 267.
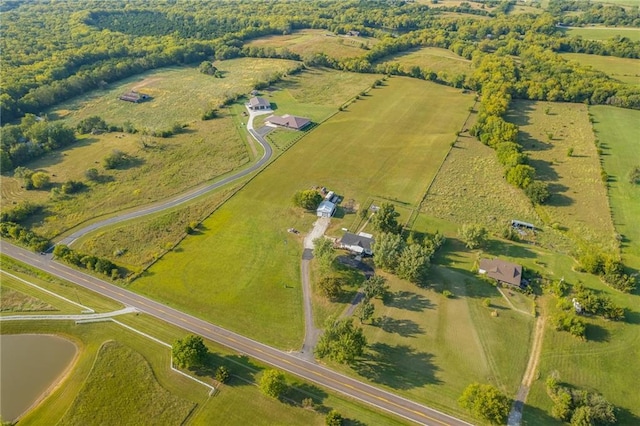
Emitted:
pixel 244 271
pixel 309 42
pixel 561 146
pixel 618 130
pixel 627 70
pixel 604 33
pixel 431 58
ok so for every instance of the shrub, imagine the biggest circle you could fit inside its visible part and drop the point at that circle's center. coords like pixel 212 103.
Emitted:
pixel 634 176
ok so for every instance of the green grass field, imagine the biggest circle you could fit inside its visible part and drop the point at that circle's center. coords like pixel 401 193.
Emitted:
pixel 431 58
pixel 578 201
pixel 243 272
pixel 626 70
pixel 604 33
pixel 309 42
pixel 618 129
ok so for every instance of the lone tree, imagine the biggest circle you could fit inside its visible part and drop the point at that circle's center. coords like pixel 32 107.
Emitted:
pixel 342 341
pixel 308 199
pixel 375 287
pixel 386 219
pixel 331 286
pixel 473 235
pixel 538 192
pixel 272 383
pixel 333 418
pixel 486 402
pixel 323 251
pixel 365 311
pixel 189 352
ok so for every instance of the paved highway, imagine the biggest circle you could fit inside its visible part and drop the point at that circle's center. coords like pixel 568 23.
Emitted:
pixel 284 361
pixel 268 152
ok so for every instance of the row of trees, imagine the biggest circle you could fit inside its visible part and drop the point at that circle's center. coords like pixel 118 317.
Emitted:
pixel 23 236
pixel 93 263
pixel 609 267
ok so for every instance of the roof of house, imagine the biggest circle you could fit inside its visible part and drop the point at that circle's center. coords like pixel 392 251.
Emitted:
pixel 500 270
pixel 290 121
pixel 258 102
pixel 349 239
pixel 326 207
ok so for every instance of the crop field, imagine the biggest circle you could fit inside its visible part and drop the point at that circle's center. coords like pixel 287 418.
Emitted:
pixel 578 202
pixel 432 58
pixel 618 130
pixel 603 33
pixel 309 42
pixel 244 270
pixel 626 70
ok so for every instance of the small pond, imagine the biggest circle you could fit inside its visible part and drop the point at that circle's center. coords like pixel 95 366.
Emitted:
pixel 30 364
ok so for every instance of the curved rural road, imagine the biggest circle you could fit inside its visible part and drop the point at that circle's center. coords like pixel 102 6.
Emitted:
pixel 315 373
pixel 268 152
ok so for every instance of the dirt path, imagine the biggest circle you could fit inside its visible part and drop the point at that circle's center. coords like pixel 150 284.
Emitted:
pixel 515 416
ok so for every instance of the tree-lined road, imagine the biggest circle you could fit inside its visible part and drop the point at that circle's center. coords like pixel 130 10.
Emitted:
pixel 285 361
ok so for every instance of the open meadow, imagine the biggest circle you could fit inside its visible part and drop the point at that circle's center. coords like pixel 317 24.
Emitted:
pixel 626 70
pixel 433 59
pixel 603 33
pixel 561 146
pixel 159 167
pixel 309 42
pixel 243 270
pixel 618 130
pixel 115 366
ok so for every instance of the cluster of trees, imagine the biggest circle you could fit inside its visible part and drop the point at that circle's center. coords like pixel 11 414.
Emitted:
pixel 90 262
pixel 473 235
pixel 593 13
pixel 341 341
pixel 24 236
pixel 374 287
pixel 609 267
pixel 20 212
pixel 486 402
pixel 596 304
pixel 308 199
pixel 567 321
pixel 30 139
pixel 31 179
pixel 578 407
pixel 207 67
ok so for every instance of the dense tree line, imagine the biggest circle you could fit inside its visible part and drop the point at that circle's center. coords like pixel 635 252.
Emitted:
pixel 92 263
pixel 578 406
pixel 23 236
pixel 593 13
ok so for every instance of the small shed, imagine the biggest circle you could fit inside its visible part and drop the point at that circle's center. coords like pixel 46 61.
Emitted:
pixel 326 209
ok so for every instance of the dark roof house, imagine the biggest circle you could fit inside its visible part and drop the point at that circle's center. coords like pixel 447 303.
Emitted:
pixel 257 103
pixel 288 121
pixel 134 97
pixel 501 271
pixel 360 243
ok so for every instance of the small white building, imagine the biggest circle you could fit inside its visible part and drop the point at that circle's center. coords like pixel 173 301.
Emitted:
pixel 326 209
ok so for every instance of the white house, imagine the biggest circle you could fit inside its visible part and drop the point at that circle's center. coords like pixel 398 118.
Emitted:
pixel 326 209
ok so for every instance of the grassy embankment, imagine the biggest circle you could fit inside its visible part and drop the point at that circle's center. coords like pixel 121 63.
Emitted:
pixel 97 376
pixel 244 271
pixel 160 168
pixel 603 33
pixel 626 70
pixel 433 59
pixel 309 42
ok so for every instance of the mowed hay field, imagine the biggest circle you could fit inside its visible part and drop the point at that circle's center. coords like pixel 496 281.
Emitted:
pixel 309 42
pixel 604 33
pixel 627 70
pixel 578 202
pixel 433 59
pixel 619 133
pixel 243 272
pixel 179 94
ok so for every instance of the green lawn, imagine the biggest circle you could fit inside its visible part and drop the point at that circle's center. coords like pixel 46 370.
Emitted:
pixel 626 70
pixel 243 271
pixel 604 33
pixel 618 130
pixel 309 42
pixel 433 59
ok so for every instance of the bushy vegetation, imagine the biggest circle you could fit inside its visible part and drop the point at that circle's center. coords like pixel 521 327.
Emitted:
pixel 24 236
pixel 189 351
pixel 308 199
pixel 92 263
pixel 341 341
pixel 609 268
pixel 486 402
pixel 578 407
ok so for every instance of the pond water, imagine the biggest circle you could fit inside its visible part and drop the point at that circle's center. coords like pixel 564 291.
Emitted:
pixel 30 364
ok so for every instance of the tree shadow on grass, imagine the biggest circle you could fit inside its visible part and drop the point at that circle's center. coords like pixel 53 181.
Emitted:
pixel 534 416
pixel 408 300
pixel 399 367
pixel 403 327
pixel 242 370
pixel 296 394
pixel 596 333
pixel 504 248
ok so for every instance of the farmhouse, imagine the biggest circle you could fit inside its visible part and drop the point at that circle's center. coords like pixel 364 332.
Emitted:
pixel 288 121
pixel 360 243
pixel 501 271
pixel 326 209
pixel 257 104
pixel 134 97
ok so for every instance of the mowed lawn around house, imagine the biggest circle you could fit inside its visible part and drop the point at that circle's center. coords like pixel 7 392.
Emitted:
pixel 626 70
pixel 578 202
pixel 433 59
pixel 243 272
pixel 309 42
pixel 619 133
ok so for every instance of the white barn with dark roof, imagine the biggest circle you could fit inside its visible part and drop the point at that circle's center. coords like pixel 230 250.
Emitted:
pixel 360 243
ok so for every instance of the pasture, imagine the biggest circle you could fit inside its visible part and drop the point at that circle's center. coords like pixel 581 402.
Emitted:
pixel 578 203
pixel 243 271
pixel 603 33
pixel 309 42
pixel 433 59
pixel 626 70
pixel 618 129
